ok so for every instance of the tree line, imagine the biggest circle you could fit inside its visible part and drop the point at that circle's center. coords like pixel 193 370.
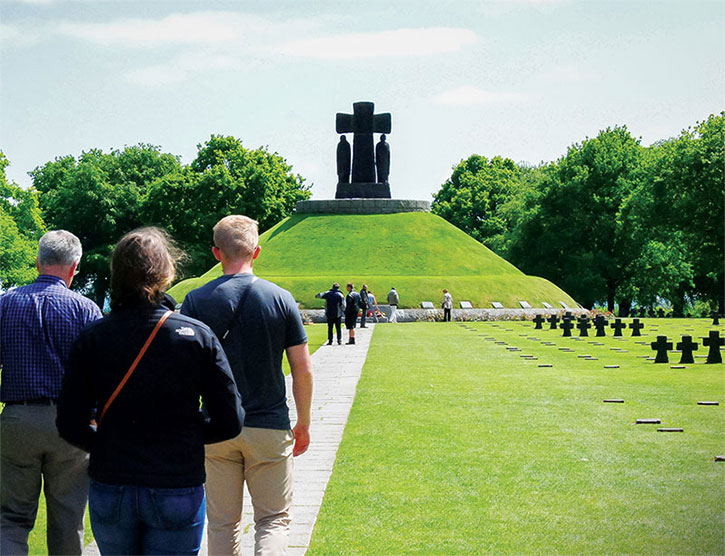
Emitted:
pixel 100 196
pixel 611 221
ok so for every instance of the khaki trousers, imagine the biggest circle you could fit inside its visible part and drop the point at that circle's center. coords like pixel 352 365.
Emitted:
pixel 30 449
pixel 262 458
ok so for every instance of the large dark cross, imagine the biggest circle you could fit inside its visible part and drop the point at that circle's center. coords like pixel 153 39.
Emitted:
pixel 363 123
pixel 618 326
pixel 636 326
pixel 566 325
pixel 553 319
pixel 583 325
pixel 687 346
pixel 600 323
pixel 539 320
pixel 661 345
pixel 714 341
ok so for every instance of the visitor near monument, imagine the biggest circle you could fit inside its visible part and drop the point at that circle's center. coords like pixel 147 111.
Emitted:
pixel 38 324
pixel 258 322
pixel 145 368
pixel 393 300
pixel 334 309
pixel 352 306
pixel 447 306
pixel 364 305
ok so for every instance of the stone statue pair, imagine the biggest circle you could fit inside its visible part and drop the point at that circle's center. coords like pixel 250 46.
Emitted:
pixel 382 161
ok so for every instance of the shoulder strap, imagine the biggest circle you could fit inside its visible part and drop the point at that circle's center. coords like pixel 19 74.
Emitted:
pixel 132 368
pixel 240 306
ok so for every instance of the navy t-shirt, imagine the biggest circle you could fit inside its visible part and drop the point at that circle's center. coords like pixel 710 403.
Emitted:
pixel 268 324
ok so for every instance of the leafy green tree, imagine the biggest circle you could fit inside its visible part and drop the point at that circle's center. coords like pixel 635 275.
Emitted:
pixel 570 232
pixel 98 197
pixel 474 197
pixel 225 178
pixel 20 229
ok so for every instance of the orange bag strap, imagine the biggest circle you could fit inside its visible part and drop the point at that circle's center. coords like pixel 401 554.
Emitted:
pixel 131 369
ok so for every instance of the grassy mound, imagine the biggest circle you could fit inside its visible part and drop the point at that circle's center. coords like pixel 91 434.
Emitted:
pixel 418 253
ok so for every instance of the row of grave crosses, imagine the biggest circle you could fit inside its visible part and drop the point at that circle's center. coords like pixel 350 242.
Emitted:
pixel 566 323
pixel 687 346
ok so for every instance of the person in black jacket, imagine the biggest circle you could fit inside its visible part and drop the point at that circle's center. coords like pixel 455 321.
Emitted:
pixel 334 308
pixel 352 305
pixel 147 451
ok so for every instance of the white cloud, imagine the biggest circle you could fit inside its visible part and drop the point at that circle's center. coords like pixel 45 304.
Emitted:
pixel 180 68
pixel 11 35
pixel 197 28
pixel 471 95
pixel 567 73
pixel 398 42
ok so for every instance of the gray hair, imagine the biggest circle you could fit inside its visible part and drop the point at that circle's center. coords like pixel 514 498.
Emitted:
pixel 59 248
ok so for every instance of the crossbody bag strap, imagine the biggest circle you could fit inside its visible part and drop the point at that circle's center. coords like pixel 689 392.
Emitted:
pixel 240 306
pixel 132 368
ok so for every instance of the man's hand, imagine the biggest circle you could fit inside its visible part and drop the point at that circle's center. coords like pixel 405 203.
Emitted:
pixel 302 440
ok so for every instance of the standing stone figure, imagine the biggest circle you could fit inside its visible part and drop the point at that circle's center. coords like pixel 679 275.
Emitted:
pixel 343 160
pixel 382 159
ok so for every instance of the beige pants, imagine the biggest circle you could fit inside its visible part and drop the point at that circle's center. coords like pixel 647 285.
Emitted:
pixel 262 458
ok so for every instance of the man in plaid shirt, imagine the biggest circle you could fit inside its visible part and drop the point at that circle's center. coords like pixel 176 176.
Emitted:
pixel 38 324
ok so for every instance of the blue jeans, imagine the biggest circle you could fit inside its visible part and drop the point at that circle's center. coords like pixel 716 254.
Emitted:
pixel 128 519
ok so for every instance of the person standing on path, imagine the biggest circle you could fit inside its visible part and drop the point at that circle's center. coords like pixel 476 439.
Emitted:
pixel 364 304
pixel 334 309
pixel 373 306
pixel 352 306
pixel 257 322
pixel 145 368
pixel 393 301
pixel 38 324
pixel 447 306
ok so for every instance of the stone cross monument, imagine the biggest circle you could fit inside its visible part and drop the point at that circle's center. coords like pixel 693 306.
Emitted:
pixel 362 123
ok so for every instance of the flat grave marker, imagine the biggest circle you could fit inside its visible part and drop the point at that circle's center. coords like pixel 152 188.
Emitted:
pixel 426 305
pixel 496 305
pixel 466 305
pixel 547 305
pixel 564 305
pixel 708 403
pixel 613 400
pixel 648 421
pixel 671 429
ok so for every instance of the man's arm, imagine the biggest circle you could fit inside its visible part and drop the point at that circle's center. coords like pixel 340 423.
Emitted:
pixel 301 367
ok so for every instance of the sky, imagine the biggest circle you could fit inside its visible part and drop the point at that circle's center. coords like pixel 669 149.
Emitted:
pixel 523 79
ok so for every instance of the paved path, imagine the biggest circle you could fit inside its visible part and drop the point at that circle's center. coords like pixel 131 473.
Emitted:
pixel 337 370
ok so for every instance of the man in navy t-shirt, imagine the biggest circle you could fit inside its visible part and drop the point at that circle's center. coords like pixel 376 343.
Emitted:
pixel 256 321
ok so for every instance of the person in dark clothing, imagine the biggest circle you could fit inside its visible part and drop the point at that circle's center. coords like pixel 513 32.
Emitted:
pixel 352 305
pixel 147 450
pixel 334 308
pixel 364 304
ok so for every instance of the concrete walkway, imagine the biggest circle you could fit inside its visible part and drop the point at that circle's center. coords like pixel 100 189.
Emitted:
pixel 337 371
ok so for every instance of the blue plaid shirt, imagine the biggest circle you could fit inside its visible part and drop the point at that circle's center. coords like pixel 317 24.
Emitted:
pixel 38 324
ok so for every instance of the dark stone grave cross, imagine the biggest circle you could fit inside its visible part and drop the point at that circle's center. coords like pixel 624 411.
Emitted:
pixel 618 326
pixel 600 323
pixel 714 341
pixel 363 123
pixel 553 319
pixel 715 318
pixel 539 320
pixel 636 326
pixel 566 325
pixel 661 346
pixel 583 325
pixel 687 346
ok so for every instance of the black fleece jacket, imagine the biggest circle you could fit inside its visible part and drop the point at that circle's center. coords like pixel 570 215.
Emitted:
pixel 153 434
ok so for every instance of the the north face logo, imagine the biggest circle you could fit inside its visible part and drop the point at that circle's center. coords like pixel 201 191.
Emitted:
pixel 184 331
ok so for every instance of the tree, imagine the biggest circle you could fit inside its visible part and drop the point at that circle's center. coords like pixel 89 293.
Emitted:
pixel 98 197
pixel 571 232
pixel 225 178
pixel 21 226
pixel 473 198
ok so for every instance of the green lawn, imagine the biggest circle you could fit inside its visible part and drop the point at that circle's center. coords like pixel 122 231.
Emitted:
pixel 417 253
pixel 456 445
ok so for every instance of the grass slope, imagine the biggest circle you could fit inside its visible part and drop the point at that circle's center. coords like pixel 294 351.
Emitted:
pixel 464 447
pixel 418 253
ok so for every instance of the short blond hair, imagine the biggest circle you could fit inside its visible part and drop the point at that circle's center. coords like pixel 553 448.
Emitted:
pixel 236 236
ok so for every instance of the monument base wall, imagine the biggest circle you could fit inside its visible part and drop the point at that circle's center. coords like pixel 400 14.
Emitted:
pixel 361 206
pixel 362 191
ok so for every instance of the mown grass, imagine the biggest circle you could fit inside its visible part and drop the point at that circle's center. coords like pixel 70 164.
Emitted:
pixel 316 336
pixel 418 253
pixel 456 445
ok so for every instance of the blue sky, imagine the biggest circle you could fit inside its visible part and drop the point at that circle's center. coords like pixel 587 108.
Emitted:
pixel 523 79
